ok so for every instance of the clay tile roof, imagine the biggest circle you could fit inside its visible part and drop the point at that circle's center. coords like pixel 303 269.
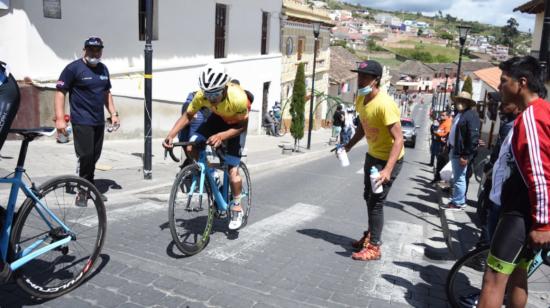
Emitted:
pixel 531 7
pixel 472 66
pixel 341 63
pixel 415 68
pixel 440 67
pixel 490 76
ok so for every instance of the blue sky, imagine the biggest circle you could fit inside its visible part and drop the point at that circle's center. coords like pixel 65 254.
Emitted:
pixel 495 12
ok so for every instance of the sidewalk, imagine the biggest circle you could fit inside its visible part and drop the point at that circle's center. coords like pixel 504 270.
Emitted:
pixel 461 233
pixel 119 170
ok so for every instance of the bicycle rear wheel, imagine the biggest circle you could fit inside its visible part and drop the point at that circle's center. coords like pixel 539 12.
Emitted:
pixel 190 214
pixel 246 192
pixel 60 270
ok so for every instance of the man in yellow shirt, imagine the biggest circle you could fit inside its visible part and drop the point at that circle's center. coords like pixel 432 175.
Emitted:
pixel 229 104
pixel 380 123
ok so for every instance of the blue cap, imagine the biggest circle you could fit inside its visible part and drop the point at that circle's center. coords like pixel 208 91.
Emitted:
pixel 93 42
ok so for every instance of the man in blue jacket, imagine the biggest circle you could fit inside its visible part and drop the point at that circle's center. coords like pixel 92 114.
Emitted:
pixel 463 141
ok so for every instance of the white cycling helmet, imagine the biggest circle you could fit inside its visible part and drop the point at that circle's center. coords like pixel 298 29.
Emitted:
pixel 213 78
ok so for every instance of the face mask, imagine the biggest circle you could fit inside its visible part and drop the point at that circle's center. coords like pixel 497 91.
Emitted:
pixel 365 91
pixel 93 61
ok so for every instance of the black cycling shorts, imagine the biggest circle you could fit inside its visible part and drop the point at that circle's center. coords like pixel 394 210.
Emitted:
pixel 9 103
pixel 215 124
pixel 509 244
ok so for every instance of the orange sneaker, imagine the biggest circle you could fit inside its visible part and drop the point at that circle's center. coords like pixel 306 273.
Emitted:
pixel 368 253
pixel 359 244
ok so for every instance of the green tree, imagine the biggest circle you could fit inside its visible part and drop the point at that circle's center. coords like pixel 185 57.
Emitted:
pixel 440 14
pixel 467 87
pixel 297 106
pixel 372 46
pixel 510 33
pixel 445 35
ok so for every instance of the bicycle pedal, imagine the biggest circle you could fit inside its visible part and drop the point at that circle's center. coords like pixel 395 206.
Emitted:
pixel 220 214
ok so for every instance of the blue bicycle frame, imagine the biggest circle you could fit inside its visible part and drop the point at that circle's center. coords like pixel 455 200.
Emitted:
pixel 222 196
pixel 31 252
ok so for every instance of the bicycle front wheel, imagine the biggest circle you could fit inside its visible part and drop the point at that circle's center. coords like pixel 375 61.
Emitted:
pixel 77 203
pixel 466 276
pixel 190 213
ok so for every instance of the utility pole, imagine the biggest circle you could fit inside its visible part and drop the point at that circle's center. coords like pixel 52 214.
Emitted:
pixel 316 30
pixel 148 76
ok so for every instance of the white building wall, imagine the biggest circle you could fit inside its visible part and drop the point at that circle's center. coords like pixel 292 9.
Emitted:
pixel 537 32
pixel 40 47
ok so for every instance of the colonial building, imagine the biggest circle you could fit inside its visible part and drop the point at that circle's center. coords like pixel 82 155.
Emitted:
pixel 535 7
pixel 297 46
pixel 343 82
pixel 40 38
pixel 415 77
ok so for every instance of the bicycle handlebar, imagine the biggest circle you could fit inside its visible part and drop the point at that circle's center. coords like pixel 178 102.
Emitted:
pixel 220 151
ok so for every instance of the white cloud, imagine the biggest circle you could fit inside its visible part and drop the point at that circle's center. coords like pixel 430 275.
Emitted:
pixel 495 12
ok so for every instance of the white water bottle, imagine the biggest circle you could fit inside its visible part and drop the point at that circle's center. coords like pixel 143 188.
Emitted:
pixel 342 156
pixel 374 176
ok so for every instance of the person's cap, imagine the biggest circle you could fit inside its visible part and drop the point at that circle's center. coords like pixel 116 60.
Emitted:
pixel 93 42
pixel 464 97
pixel 369 67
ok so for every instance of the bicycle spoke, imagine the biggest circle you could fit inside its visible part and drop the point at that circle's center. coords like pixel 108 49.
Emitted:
pixel 54 272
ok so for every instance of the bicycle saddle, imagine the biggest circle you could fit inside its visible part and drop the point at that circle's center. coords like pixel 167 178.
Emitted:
pixel 31 133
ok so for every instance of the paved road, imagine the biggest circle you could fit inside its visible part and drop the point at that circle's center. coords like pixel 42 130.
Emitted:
pixel 295 252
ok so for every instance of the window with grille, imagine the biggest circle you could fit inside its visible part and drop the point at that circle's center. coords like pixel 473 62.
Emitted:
pixel 220 32
pixel 300 49
pixel 265 29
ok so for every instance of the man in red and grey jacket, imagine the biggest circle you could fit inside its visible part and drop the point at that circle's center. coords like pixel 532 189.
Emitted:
pixel 523 176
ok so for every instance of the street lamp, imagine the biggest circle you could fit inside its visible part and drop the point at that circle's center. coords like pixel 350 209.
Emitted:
pixel 447 70
pixel 316 30
pixel 463 31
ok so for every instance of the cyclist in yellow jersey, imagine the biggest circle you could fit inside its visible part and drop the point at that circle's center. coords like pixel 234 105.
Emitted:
pixel 229 119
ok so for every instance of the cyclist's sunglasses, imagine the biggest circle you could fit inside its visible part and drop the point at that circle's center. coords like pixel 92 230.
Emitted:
pixel 212 96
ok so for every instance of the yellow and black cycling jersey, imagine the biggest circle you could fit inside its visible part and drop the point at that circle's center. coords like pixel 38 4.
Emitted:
pixel 232 109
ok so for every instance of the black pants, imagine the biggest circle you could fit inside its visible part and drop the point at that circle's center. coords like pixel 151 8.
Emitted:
pixel 442 160
pixel 88 142
pixel 375 202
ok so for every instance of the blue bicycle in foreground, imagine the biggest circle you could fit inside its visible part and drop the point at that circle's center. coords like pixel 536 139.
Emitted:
pixel 52 242
pixel 198 196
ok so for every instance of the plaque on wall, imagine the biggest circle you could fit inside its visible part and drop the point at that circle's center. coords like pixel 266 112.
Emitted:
pixel 289 46
pixel 52 8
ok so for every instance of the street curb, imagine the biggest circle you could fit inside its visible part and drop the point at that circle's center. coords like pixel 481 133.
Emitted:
pixel 291 160
pixel 296 159
pixel 449 227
